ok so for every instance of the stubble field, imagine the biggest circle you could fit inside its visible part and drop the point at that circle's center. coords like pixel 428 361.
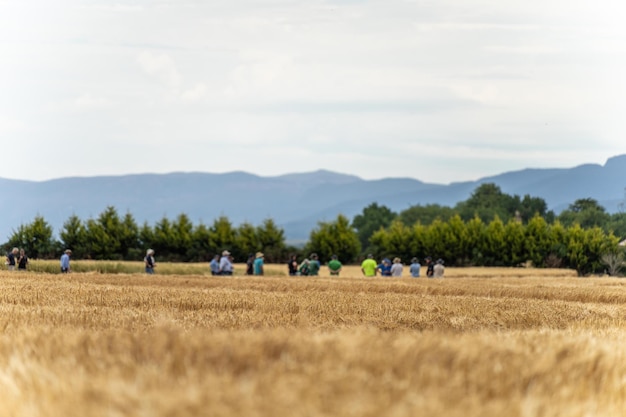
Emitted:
pixel 481 342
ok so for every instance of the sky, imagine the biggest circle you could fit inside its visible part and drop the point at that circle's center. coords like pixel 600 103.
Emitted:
pixel 440 91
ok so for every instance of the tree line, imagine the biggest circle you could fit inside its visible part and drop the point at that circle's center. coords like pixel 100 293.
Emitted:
pixel 491 228
pixel 114 237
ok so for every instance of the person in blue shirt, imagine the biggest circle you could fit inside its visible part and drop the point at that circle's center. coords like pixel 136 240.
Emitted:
pixel 415 268
pixel 215 265
pixel 385 268
pixel 258 264
pixel 65 261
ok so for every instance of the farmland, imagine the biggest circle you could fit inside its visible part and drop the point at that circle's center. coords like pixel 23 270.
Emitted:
pixel 481 342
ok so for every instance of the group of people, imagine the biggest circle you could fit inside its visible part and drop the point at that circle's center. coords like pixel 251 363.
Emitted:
pixel 16 258
pixel 387 268
pixel 223 265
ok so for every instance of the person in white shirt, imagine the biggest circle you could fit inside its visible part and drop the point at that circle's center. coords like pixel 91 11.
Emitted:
pixel 226 266
pixel 396 268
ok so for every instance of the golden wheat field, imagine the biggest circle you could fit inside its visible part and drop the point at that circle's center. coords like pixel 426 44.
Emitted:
pixel 480 342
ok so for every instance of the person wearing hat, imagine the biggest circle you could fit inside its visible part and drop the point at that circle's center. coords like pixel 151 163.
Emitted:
pixel 258 263
pixel 65 261
pixel 438 269
pixel 226 266
pixel 314 265
pixel 396 268
pixel 385 268
pixel 415 267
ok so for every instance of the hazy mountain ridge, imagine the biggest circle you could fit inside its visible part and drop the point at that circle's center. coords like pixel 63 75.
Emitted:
pixel 296 201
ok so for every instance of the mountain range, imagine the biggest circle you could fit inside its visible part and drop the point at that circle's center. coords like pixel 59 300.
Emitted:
pixel 297 202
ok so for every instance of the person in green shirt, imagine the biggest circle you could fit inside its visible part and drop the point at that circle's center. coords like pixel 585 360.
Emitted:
pixel 334 265
pixel 314 265
pixel 368 267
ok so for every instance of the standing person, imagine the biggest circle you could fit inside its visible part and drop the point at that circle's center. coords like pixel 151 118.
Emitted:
pixel 258 263
pixel 22 261
pixel 415 267
pixel 215 265
pixel 396 268
pixel 334 266
pixel 438 269
pixel 11 258
pixel 385 268
pixel 149 261
pixel 226 266
pixel 250 264
pixel 65 261
pixel 430 267
pixel 314 265
pixel 292 266
pixel 303 269
pixel 368 266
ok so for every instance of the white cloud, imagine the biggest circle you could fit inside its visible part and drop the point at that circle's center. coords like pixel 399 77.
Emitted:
pixel 160 66
pixel 197 92
pixel 9 125
pixel 369 87
pixel 88 101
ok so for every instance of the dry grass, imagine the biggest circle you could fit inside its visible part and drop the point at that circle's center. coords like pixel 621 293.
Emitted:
pixel 496 342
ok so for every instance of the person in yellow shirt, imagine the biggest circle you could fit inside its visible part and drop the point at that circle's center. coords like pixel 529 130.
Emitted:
pixel 368 267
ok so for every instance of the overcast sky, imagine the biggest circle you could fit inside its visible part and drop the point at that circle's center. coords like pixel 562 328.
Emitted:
pixel 441 90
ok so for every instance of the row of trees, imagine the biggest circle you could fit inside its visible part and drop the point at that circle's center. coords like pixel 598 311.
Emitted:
pixel 577 238
pixel 500 244
pixel 486 202
pixel 111 236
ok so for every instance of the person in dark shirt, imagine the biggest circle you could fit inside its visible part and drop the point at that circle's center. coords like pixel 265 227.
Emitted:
pixel 292 265
pixel 430 267
pixel 385 268
pixel 250 264
pixel 149 261
pixel 22 261
pixel 11 258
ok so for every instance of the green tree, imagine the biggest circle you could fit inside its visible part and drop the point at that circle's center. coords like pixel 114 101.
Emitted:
pixel 200 244
pixel 180 244
pixel 247 240
pixel 372 219
pixel 494 244
pixel 486 202
pixel 336 237
pixel 129 238
pixel 426 214
pixel 222 236
pixel 399 241
pixel 514 237
pixel 532 206
pixel 73 236
pixel 587 213
pixel 475 235
pixel 35 238
pixel 162 238
pixel 538 243
pixel 271 238
pixel 104 235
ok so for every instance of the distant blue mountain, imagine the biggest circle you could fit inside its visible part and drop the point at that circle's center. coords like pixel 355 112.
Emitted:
pixel 295 201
